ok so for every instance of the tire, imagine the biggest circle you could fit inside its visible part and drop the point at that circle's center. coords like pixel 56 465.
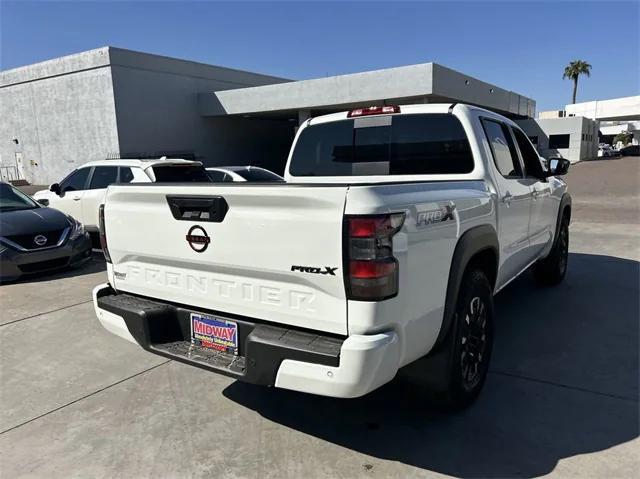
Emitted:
pixel 552 269
pixel 470 341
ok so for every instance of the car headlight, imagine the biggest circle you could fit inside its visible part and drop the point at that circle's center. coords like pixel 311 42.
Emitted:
pixel 77 231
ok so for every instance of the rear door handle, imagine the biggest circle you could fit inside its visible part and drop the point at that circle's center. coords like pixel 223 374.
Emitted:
pixel 506 199
pixel 76 198
pixel 535 193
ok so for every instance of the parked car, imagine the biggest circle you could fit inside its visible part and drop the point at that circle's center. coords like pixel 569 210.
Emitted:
pixel 631 150
pixel 82 191
pixel 395 228
pixel 34 238
pixel 604 152
pixel 242 174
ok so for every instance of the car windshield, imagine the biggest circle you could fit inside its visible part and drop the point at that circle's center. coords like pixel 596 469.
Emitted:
pixel 12 199
pixel 259 175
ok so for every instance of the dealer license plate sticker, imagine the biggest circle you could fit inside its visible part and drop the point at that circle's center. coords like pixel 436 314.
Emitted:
pixel 214 333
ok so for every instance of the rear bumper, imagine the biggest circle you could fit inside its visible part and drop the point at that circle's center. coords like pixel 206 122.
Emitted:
pixel 268 355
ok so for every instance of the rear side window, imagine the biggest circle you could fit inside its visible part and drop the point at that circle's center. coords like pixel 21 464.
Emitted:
pixel 219 176
pixel 259 175
pixel 126 175
pixel 180 174
pixel 103 176
pixel 420 144
pixel 503 149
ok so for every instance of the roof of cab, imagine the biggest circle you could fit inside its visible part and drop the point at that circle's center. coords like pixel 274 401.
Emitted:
pixel 404 109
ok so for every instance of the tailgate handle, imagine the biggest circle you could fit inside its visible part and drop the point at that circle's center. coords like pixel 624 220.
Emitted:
pixel 198 208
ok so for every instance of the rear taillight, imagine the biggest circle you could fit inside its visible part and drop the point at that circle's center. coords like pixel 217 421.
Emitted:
pixel 373 110
pixel 103 235
pixel 372 268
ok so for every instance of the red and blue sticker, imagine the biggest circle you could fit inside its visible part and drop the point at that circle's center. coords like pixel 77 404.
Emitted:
pixel 213 333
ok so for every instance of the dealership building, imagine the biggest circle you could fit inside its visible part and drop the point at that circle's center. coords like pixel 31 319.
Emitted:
pixel 612 117
pixel 116 103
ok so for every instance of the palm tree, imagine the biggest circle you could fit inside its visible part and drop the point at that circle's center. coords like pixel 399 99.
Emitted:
pixel 573 71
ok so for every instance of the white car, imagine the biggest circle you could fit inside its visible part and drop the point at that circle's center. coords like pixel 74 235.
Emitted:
pixel 83 190
pixel 224 174
pixel 605 152
pixel 395 228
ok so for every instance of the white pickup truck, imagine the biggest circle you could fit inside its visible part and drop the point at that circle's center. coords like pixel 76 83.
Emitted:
pixel 396 227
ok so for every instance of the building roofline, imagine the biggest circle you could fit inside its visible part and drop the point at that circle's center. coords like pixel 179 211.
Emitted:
pixel 114 56
pixel 423 82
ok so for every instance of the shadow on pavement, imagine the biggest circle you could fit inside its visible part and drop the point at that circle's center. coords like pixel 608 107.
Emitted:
pixel 604 158
pixel 564 382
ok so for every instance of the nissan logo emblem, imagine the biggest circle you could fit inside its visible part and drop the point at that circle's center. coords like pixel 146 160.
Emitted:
pixel 40 240
pixel 198 239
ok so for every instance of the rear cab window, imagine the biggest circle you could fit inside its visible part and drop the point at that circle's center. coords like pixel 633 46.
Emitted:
pixel 410 144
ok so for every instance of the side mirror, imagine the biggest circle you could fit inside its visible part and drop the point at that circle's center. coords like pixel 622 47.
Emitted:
pixel 545 163
pixel 55 187
pixel 43 202
pixel 558 166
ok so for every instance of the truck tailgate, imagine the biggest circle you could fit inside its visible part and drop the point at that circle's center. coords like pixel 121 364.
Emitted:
pixel 247 266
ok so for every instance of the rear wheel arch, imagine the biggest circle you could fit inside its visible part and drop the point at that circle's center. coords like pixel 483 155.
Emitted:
pixel 477 247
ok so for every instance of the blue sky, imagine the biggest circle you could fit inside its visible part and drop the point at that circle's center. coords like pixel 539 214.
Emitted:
pixel 521 46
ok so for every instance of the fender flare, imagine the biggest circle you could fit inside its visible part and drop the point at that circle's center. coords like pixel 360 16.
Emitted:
pixel 564 202
pixel 472 241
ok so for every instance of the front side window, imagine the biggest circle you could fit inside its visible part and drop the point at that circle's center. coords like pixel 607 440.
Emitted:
pixel 416 144
pixel 504 152
pixel 76 181
pixel 103 176
pixel 530 158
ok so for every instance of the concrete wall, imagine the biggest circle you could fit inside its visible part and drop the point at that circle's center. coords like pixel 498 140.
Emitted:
pixel 626 108
pixel 583 139
pixel 449 83
pixel 552 114
pixel 109 102
pixel 157 110
pixel 61 112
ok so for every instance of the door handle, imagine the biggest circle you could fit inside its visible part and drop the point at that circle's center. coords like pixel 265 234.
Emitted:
pixel 535 193
pixel 75 198
pixel 506 199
